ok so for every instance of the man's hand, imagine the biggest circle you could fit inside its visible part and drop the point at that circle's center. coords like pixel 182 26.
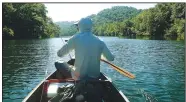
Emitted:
pixel 71 62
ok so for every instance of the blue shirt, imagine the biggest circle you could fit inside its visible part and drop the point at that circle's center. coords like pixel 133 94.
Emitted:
pixel 88 50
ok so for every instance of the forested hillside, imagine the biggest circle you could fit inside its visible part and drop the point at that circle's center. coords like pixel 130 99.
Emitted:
pixel 27 20
pixel 165 20
pixel 104 22
pixel 109 21
pixel 67 28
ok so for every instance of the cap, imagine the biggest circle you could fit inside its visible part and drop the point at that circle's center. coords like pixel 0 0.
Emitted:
pixel 76 23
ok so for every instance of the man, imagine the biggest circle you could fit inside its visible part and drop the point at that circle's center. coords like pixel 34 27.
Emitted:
pixel 88 50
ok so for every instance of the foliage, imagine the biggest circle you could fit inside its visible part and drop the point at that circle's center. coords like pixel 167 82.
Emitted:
pixel 113 21
pixel 27 20
pixel 163 20
pixel 67 28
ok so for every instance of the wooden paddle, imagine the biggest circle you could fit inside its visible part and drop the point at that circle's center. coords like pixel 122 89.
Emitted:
pixel 122 71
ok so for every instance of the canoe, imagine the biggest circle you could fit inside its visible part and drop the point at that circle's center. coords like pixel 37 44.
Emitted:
pixel 114 95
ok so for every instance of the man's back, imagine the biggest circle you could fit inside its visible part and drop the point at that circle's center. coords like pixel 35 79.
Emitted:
pixel 88 49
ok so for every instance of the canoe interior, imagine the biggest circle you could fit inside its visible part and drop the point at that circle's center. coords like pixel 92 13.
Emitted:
pixel 114 95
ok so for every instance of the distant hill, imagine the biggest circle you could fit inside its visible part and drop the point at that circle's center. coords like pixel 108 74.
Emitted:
pixel 110 21
pixel 114 14
pixel 164 21
pixel 67 28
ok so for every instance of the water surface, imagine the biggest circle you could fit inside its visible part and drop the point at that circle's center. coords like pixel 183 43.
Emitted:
pixel 157 64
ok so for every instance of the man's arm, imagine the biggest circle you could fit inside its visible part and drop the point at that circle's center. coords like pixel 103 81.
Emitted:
pixel 106 53
pixel 66 48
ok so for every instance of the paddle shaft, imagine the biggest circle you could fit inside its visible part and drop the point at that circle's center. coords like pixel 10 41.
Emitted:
pixel 122 71
pixel 64 43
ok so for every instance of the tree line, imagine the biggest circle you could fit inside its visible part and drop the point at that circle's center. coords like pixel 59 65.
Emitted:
pixel 165 20
pixel 162 21
pixel 67 28
pixel 27 21
pixel 105 22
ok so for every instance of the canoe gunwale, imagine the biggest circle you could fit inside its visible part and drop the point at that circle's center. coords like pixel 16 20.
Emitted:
pixel 36 88
pixel 33 95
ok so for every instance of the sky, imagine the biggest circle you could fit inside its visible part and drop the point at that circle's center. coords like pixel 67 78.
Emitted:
pixel 75 11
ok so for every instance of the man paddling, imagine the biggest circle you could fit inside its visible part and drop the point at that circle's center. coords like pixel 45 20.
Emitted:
pixel 88 50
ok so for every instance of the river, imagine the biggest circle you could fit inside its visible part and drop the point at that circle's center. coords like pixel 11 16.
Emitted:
pixel 157 64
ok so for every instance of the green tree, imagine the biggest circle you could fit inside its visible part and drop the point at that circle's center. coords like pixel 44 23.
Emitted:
pixel 26 20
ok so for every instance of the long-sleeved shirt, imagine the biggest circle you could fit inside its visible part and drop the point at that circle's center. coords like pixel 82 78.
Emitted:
pixel 88 50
